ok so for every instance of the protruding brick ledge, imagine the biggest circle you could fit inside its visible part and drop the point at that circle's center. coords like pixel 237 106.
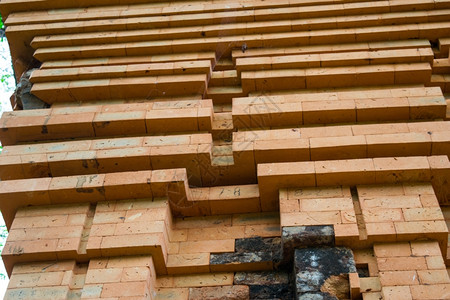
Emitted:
pixel 365 105
pixel 171 183
pixel 273 176
pixel 249 148
pixel 360 216
pixel 106 120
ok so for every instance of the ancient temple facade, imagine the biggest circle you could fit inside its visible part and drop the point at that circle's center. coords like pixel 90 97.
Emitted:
pixel 227 149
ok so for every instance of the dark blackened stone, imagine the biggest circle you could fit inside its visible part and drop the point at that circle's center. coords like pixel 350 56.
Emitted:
pixel 316 296
pixel 266 284
pixel 261 278
pixel 257 244
pixel 274 291
pixel 313 266
pixel 23 96
pixel 363 271
pixel 304 236
pixel 233 258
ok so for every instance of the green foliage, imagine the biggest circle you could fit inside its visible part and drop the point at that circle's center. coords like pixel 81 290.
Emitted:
pixel 6 72
pixel 2 28
pixel 3 236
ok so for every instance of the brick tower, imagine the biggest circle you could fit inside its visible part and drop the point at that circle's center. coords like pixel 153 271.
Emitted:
pixel 220 149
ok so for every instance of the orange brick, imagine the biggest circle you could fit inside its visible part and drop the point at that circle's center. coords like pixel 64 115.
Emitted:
pixel 199 222
pixel 173 293
pixel 381 215
pixel 354 285
pixel 379 109
pixel 396 292
pixel 369 284
pixel 418 189
pixel 326 131
pixel 125 289
pixel 369 129
pixel 138 241
pixel 401 263
pixel 390 202
pixel 318 192
pixel 381 231
pixel 289 205
pixel 425 248
pixel 233 206
pixel 399 169
pixel 76 219
pixel 87 187
pixel 433 276
pixel 178 235
pixel 326 204
pixel 423 214
pixel 207 246
pixel 139 227
pixel 173 248
pixel 188 263
pixel 310 218
pixel 103 275
pixel 218 233
pixel 396 278
pixel 344 172
pixel 45 248
pixel 68 244
pixel 36 280
pixel 39 221
pixel 345 147
pixel 135 274
pixel 145 215
pixel 392 250
pixel 329 112
pixel 435 291
pixel 36 267
pixel 342 231
pixel 400 144
pixel 378 190
pixel 265 230
pixel 102 230
pixel 435 262
pixel 429 201
pixel 208 279
pixel 109 217
pixel 270 151
pixel 45 233
pixel 93 246
pixel 421 227
pixel 130 261
pixel 128 185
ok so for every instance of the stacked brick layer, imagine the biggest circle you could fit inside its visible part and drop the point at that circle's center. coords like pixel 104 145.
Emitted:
pixel 190 147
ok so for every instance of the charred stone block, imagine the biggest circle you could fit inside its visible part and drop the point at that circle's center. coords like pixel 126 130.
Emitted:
pixel 305 236
pixel 318 269
pixel 274 291
pixel 266 285
pixel 241 258
pixel 258 244
pixel 232 292
pixel 23 96
pixel 316 296
pixel 264 251
pixel 261 278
